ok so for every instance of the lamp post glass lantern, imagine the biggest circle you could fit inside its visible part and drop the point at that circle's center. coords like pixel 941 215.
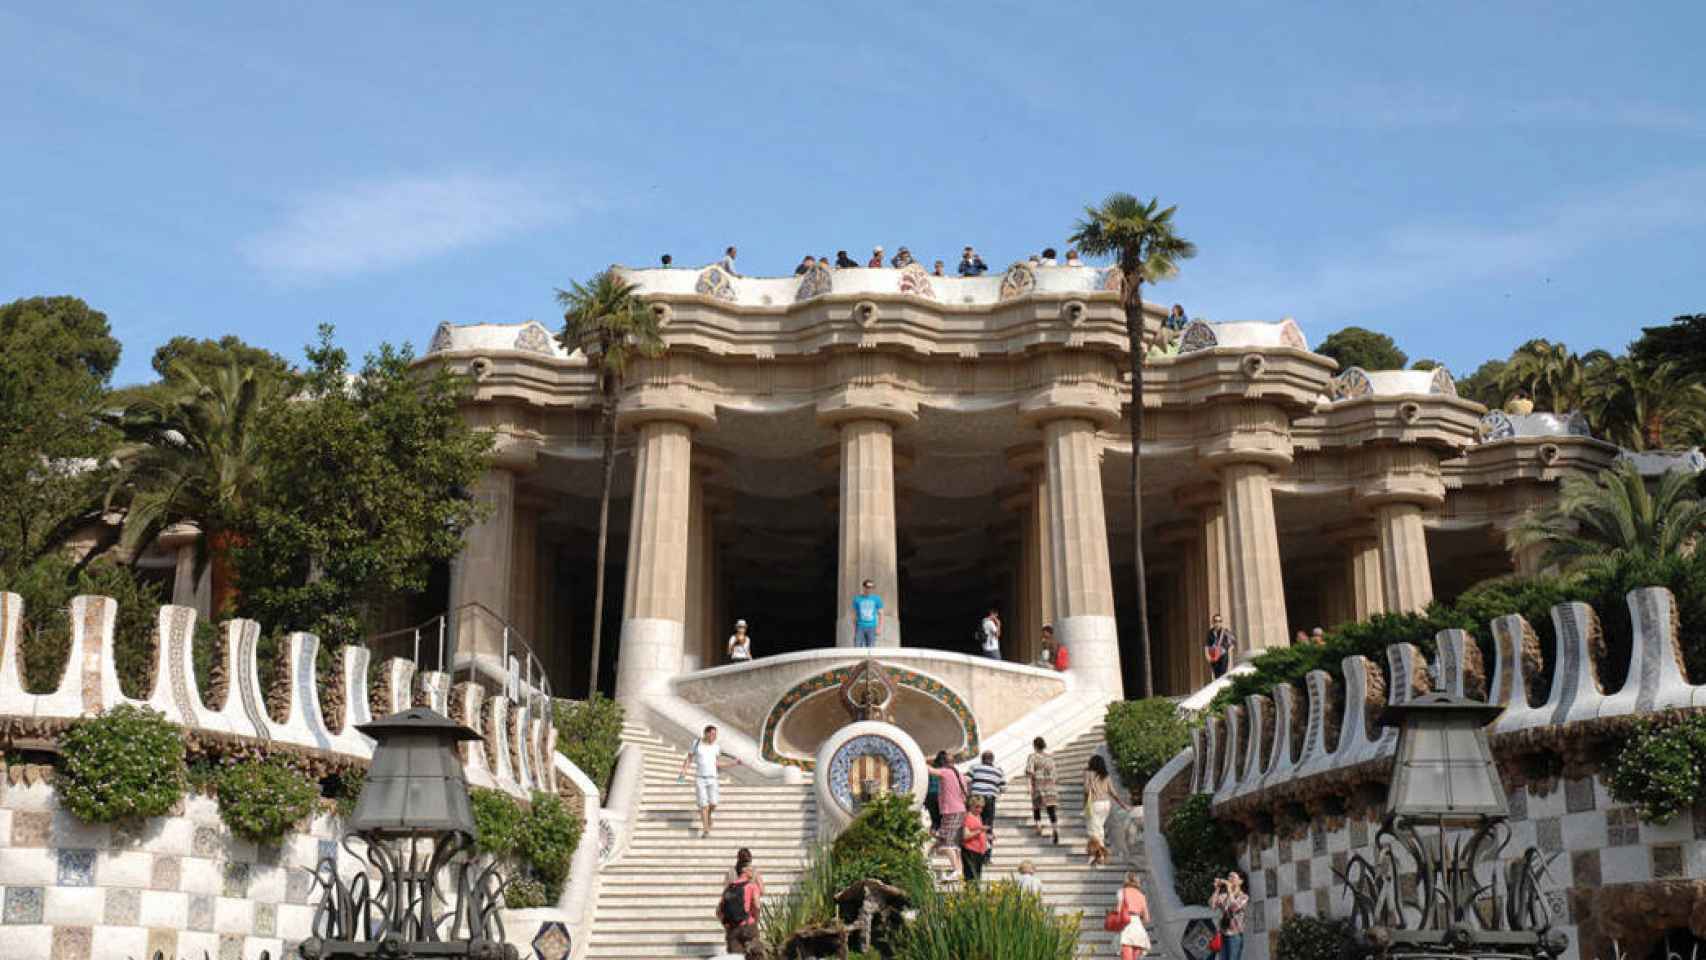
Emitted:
pixel 415 825
pixel 1446 825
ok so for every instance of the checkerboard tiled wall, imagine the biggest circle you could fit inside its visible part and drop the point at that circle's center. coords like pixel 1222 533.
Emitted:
pixel 1597 842
pixel 181 885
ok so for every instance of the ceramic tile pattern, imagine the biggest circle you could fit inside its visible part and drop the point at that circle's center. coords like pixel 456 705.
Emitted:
pixel 23 905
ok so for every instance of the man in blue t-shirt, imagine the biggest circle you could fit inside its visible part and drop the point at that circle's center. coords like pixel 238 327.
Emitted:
pixel 867 616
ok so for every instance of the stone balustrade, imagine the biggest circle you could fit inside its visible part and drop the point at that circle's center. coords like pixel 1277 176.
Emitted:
pixel 515 753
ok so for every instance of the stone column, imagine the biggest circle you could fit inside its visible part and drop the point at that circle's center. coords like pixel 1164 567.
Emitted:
pixel 1404 557
pixel 1187 620
pixel 1365 584
pixel 1070 416
pixel 188 589
pixel 693 652
pixel 1335 595
pixel 866 418
pixel 1257 614
pixel 481 577
pixel 654 609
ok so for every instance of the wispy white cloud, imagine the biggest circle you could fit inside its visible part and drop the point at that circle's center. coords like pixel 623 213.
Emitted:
pixel 381 224
pixel 1412 260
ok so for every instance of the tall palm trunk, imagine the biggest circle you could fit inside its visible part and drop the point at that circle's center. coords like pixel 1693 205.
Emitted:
pixel 223 588
pixel 609 416
pixel 1134 332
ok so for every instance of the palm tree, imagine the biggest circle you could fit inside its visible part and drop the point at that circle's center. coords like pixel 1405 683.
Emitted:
pixel 1646 407
pixel 1140 238
pixel 193 456
pixel 1617 516
pixel 609 323
pixel 1552 376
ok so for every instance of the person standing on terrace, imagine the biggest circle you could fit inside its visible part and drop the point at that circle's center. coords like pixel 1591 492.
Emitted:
pixel 876 260
pixel 867 614
pixel 1176 320
pixel 902 259
pixel 972 265
pixel 1218 646
pixel 843 261
pixel 728 262
pixel 740 644
pixel 805 265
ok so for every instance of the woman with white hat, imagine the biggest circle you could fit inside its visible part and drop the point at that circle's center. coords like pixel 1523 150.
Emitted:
pixel 740 645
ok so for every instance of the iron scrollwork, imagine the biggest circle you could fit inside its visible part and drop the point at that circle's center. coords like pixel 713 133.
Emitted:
pixel 1422 895
pixel 426 895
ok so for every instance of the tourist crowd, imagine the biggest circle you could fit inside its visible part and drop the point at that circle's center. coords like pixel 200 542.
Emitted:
pixel 971 262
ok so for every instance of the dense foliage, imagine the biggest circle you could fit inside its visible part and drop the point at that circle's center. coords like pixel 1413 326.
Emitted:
pixel 127 762
pixel 884 842
pixel 989 921
pixel 535 842
pixel 47 587
pixel 810 900
pixel 262 800
pixel 1361 347
pixel 1314 938
pixel 1200 847
pixel 1603 586
pixel 369 491
pixel 1143 735
pixel 589 733
pixel 1617 515
pixel 1658 769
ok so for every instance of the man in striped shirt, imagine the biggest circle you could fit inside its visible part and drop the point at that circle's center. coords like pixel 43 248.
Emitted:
pixel 987 782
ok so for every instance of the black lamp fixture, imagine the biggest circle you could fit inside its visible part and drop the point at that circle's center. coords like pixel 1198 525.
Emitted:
pixel 1421 894
pixel 432 899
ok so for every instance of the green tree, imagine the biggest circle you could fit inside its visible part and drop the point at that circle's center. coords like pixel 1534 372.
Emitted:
pixel 56 357
pixel 1482 386
pixel 1617 516
pixel 606 320
pixel 1681 342
pixel 1362 347
pixel 1142 240
pixel 1553 376
pixel 204 358
pixel 365 490
pixel 193 456
pixel 1645 407
pixel 1426 364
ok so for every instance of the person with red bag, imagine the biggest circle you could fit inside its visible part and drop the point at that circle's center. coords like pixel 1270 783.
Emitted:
pixel 1231 900
pixel 1130 918
pixel 1219 646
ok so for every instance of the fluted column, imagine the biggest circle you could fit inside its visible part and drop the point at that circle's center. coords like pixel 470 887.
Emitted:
pixel 1366 584
pixel 1186 620
pixel 482 574
pixel 1208 571
pixel 654 608
pixel 693 653
pixel 1083 583
pixel 1404 557
pixel 1257 612
pixel 866 418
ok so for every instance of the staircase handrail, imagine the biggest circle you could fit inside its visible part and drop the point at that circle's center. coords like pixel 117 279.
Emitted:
pixel 517 673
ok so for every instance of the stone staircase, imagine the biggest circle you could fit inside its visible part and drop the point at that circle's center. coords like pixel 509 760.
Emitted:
pixel 1070 884
pixel 660 899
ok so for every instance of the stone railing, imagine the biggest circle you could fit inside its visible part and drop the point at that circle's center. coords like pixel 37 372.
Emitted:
pixel 1303 772
pixel 299 712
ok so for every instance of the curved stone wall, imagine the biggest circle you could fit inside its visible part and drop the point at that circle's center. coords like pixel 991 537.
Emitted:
pixel 1304 773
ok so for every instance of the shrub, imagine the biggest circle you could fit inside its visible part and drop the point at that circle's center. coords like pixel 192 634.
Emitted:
pixel 884 842
pixel 549 836
pixel 1143 735
pixel 1658 769
pixel 261 800
pixel 521 893
pixel 347 792
pixel 986 921
pixel 589 732
pixel 497 822
pixel 1314 938
pixel 537 843
pixel 127 762
pixel 1201 849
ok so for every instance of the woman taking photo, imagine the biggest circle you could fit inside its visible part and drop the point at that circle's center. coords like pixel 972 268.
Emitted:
pixel 1099 800
pixel 1230 901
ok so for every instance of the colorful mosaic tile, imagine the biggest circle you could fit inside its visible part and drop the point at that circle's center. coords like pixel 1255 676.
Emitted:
pixel 236 876
pixel 165 873
pixel 31 828
pixel 76 868
pixel 230 946
pixel 833 679
pixel 201 913
pixel 205 842
pixel 266 919
pixel 1667 861
pixel 23 905
pixel 552 942
pixel 72 943
pixel 121 907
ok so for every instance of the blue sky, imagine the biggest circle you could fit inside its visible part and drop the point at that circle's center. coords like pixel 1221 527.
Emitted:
pixel 1461 176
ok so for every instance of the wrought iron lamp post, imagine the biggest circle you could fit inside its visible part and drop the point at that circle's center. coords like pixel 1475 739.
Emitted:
pixel 416 829
pixel 1446 824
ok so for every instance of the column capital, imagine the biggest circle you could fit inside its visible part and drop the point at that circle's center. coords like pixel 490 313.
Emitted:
pixel 1081 401
pixel 1398 474
pixel 1355 531
pixel 515 454
pixel 675 403
pixel 1199 496
pixel 888 404
pixel 1025 457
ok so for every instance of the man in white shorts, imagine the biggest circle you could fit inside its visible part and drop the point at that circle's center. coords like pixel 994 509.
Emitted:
pixel 708 762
